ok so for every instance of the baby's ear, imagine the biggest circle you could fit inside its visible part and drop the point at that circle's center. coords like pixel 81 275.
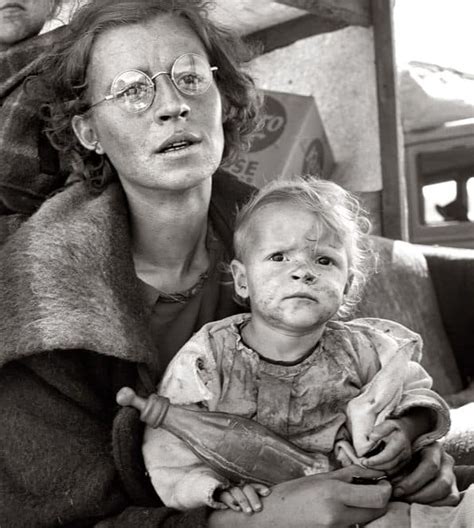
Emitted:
pixel 239 274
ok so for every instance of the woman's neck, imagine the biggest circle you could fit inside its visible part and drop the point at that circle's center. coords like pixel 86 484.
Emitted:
pixel 169 236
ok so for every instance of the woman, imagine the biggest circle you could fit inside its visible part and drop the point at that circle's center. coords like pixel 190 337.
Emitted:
pixel 146 99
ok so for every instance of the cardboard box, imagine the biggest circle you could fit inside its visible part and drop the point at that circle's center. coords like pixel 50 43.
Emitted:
pixel 292 142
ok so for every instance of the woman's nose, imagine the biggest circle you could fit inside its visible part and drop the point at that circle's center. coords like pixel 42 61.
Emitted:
pixel 169 103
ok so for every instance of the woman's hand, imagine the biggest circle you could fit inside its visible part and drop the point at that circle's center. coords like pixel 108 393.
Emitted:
pixel 432 481
pixel 318 501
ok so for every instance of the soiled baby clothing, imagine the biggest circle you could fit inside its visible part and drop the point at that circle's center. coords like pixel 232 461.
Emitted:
pixel 304 402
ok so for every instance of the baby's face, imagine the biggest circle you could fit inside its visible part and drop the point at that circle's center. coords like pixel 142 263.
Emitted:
pixel 295 272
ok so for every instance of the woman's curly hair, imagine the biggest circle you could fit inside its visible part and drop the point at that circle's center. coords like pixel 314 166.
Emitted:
pixel 338 210
pixel 63 76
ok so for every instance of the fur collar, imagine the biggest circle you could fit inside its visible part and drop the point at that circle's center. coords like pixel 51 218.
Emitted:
pixel 67 280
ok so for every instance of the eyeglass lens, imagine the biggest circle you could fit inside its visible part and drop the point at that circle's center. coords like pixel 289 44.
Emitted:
pixel 135 90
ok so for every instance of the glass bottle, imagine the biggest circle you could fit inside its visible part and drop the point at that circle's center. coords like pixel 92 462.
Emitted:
pixel 236 447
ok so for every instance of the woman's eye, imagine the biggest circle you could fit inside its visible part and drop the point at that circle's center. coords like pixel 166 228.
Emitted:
pixel 134 91
pixel 324 261
pixel 277 257
pixel 190 81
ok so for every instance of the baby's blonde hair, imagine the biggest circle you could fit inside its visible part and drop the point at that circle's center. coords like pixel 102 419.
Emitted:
pixel 338 210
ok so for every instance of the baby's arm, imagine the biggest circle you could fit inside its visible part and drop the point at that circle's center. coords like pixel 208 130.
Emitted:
pixel 179 477
pixel 419 418
pixel 393 439
pixel 397 405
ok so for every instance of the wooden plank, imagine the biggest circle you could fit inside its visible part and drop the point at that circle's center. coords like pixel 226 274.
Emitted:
pixel 286 33
pixel 247 16
pixel 349 12
pixel 394 194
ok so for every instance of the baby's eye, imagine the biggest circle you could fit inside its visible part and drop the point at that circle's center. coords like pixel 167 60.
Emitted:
pixel 324 261
pixel 277 257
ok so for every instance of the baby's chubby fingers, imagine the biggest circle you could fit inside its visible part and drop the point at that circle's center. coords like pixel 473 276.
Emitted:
pixel 396 447
pixel 241 500
pixel 245 498
pixel 226 497
pixel 382 430
pixel 261 489
pixel 394 455
pixel 253 492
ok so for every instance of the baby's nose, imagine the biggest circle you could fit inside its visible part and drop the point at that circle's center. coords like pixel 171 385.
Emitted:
pixel 305 276
pixel 309 278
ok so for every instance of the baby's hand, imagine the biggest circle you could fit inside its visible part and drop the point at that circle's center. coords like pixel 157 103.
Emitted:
pixel 244 498
pixel 397 447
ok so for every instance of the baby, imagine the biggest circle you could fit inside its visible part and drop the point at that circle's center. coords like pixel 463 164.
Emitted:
pixel 353 391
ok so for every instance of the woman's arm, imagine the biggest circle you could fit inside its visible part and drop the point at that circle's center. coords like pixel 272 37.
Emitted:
pixel 56 462
pixel 327 499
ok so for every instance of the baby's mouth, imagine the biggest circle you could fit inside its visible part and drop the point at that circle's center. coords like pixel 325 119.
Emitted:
pixel 303 296
pixel 13 7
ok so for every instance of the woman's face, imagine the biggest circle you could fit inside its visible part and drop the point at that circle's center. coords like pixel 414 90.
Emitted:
pixel 177 142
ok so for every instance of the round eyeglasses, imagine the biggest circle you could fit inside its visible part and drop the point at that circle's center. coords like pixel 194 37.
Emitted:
pixel 134 90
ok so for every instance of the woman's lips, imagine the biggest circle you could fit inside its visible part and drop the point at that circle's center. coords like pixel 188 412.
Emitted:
pixel 178 142
pixel 177 145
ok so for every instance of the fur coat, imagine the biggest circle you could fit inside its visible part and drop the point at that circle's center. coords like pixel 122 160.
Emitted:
pixel 72 332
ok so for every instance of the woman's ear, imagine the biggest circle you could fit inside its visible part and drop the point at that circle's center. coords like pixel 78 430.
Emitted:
pixel 86 133
pixel 240 278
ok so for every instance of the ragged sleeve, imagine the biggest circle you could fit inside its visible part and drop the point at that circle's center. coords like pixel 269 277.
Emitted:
pixel 180 478
pixel 397 382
